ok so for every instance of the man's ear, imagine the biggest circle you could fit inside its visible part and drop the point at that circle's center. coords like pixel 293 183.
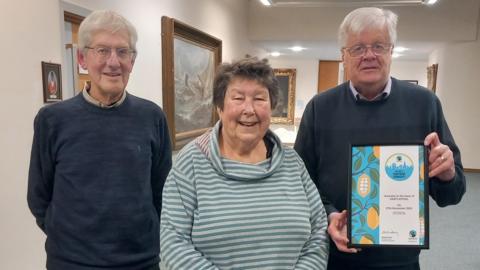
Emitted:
pixel 133 60
pixel 81 59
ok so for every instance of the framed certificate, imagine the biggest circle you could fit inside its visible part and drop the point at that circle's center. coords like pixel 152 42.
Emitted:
pixel 388 202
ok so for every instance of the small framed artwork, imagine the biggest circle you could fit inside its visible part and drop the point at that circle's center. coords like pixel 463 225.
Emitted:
pixel 388 202
pixel 432 77
pixel 52 82
pixel 412 81
pixel 284 112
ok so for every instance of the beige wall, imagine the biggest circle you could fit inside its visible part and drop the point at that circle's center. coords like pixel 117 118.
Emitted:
pixel 459 91
pixel 32 32
pixel 410 70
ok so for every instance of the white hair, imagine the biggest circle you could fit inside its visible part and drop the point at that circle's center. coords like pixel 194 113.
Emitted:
pixel 368 17
pixel 105 20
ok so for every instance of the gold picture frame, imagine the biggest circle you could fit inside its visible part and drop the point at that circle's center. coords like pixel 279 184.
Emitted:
pixel 432 77
pixel 284 112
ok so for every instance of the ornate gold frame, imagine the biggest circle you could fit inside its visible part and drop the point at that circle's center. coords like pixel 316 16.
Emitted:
pixel 286 78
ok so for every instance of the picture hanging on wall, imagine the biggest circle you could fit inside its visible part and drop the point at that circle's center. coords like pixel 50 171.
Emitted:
pixel 52 82
pixel 189 60
pixel 284 112
pixel 412 81
pixel 432 77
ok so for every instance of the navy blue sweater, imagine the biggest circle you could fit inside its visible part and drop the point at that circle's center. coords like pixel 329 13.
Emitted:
pixel 95 183
pixel 334 119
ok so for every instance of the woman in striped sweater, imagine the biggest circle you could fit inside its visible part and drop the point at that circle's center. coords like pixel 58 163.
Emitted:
pixel 236 198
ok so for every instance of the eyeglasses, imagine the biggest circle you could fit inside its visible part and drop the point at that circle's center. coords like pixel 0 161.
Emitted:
pixel 360 50
pixel 103 53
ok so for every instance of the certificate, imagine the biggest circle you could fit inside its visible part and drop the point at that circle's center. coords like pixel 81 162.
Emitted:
pixel 388 202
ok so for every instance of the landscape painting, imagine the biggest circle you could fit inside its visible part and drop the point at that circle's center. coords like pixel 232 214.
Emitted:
pixel 194 71
pixel 189 60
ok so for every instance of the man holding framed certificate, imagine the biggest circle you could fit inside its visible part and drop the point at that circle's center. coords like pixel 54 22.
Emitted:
pixel 378 146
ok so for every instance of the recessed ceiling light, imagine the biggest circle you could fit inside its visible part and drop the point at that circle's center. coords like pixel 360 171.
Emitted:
pixel 430 2
pixel 266 2
pixel 297 48
pixel 400 49
pixel 275 54
pixel 396 55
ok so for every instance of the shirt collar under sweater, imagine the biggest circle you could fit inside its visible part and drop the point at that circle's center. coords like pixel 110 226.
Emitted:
pixel 382 95
pixel 95 102
pixel 208 144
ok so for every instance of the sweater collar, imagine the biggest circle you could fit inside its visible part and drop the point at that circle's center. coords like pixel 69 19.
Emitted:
pixel 208 144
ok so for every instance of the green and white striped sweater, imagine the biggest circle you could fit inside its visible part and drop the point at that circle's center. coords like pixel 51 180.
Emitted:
pixel 222 214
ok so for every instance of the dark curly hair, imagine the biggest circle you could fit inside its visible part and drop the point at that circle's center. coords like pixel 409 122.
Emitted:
pixel 250 68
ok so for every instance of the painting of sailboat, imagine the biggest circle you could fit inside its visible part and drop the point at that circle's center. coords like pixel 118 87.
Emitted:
pixel 194 68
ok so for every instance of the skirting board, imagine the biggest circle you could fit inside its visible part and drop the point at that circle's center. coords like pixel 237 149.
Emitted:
pixel 471 170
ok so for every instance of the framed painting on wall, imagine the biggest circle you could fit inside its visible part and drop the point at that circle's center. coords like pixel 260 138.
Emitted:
pixel 284 112
pixel 52 82
pixel 432 77
pixel 412 81
pixel 189 60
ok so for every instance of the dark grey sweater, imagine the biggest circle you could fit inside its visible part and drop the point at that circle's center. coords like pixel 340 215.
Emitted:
pixel 95 183
pixel 335 119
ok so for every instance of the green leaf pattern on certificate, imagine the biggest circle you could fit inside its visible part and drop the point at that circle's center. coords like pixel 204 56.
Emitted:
pixel 362 220
pixel 374 174
pixel 358 164
pixel 365 200
pixel 357 203
pixel 373 194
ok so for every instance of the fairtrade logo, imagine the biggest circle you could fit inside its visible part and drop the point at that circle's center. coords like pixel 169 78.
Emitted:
pixel 399 167
pixel 413 233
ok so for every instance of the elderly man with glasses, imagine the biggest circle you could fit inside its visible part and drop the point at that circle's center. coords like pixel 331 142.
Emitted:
pixel 99 161
pixel 373 107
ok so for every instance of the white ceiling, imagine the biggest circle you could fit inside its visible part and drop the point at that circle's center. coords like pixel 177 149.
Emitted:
pixel 421 28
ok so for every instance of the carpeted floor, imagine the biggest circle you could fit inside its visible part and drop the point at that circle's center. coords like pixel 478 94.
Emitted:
pixel 454 232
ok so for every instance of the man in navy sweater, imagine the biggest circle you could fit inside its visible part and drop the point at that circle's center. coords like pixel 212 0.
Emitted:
pixel 99 161
pixel 371 107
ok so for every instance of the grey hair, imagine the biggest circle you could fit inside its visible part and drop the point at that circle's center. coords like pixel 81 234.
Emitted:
pixel 105 20
pixel 368 17
pixel 250 68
